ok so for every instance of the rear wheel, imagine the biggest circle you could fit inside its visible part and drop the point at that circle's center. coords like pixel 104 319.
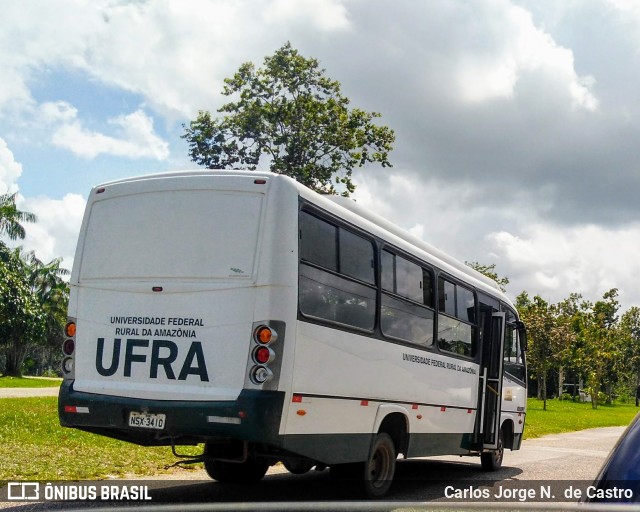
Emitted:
pixel 492 461
pixel 240 472
pixel 380 466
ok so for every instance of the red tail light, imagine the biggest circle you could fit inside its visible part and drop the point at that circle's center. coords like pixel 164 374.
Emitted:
pixel 263 355
pixel 68 347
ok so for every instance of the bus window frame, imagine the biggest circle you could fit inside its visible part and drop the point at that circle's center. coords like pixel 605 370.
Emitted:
pixel 436 272
pixel 339 224
pixel 475 327
pixel 394 295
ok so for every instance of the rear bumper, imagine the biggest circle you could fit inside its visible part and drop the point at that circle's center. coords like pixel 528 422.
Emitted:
pixel 254 416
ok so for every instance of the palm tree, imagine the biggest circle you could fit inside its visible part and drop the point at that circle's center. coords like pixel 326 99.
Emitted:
pixel 47 295
pixel 11 218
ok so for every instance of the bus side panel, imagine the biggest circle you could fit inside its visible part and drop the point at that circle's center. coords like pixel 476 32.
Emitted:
pixel 339 388
pixel 276 291
pixel 514 406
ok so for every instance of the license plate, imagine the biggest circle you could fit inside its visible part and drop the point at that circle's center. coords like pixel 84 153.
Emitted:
pixel 146 420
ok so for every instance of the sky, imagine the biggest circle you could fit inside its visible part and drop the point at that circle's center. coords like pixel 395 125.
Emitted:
pixel 517 122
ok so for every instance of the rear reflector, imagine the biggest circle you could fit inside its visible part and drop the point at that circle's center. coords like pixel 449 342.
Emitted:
pixel 75 409
pixel 224 419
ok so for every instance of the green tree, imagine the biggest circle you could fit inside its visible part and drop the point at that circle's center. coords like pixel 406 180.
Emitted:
pixel 549 336
pixel 490 272
pixel 295 117
pixel 11 218
pixel 33 302
pixel 47 281
pixel 22 318
pixel 630 351
pixel 569 315
pixel 598 349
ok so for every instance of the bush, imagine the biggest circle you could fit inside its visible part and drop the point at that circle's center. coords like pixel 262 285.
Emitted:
pixel 49 372
pixel 29 366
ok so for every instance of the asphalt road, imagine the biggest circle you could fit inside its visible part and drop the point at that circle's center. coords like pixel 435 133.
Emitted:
pixel 28 392
pixel 556 462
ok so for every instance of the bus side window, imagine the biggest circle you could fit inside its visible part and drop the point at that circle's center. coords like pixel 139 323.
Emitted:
pixel 318 241
pixel 387 279
pixel 407 289
pixel 336 275
pixel 356 257
pixel 447 297
pixel 457 330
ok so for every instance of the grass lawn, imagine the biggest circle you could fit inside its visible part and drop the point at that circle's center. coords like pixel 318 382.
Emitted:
pixel 28 382
pixel 567 416
pixel 33 446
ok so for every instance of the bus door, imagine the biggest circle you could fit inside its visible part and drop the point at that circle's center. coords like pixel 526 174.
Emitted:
pixel 491 379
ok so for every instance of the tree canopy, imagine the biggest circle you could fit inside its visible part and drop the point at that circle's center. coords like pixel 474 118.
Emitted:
pixel 33 294
pixel 292 117
pixel 11 218
pixel 490 272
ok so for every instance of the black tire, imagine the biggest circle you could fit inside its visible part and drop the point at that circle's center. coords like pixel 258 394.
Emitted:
pixel 380 467
pixel 492 461
pixel 236 472
pixel 298 466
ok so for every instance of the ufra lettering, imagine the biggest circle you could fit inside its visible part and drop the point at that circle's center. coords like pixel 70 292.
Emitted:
pixel 163 355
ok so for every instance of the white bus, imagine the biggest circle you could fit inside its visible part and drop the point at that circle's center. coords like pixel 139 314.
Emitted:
pixel 242 311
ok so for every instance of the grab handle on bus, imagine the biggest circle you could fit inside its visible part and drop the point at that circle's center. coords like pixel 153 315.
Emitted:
pixel 483 383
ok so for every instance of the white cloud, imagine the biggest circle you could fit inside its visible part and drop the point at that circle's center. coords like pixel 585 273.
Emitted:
pixel 58 221
pixel 554 261
pixel 443 214
pixel 10 170
pixel 176 54
pixel 136 137
pixel 627 7
pixel 518 51
pixel 57 112
pixel 48 34
pixel 55 233
pixel 538 257
pixel 324 15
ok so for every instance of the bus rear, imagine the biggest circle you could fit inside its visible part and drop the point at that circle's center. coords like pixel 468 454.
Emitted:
pixel 173 333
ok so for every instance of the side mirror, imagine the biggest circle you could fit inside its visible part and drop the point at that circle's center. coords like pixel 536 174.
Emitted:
pixel 522 332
